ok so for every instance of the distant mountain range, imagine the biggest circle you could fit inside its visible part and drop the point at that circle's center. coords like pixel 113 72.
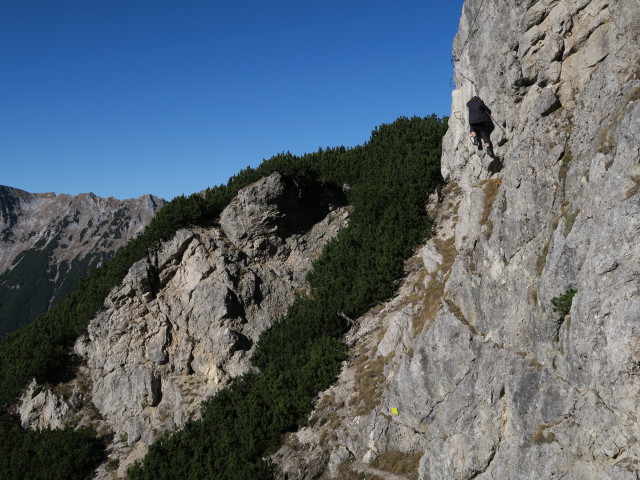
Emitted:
pixel 48 241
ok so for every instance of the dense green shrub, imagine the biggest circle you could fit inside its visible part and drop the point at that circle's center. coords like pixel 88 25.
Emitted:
pixel 562 303
pixel 47 454
pixel 389 179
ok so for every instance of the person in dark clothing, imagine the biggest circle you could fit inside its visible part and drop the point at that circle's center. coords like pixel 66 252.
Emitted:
pixel 480 124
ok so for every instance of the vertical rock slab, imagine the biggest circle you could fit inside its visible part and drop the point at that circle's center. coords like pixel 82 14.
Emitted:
pixel 476 375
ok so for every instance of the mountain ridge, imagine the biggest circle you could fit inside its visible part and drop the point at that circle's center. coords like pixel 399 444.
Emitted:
pixel 49 241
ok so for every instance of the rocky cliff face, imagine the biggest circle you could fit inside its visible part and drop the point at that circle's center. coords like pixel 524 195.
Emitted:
pixel 470 372
pixel 185 320
pixel 48 241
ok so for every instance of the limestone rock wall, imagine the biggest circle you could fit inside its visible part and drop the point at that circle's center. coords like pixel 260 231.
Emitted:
pixel 469 373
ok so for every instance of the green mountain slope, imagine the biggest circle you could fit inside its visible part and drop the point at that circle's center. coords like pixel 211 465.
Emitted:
pixel 389 179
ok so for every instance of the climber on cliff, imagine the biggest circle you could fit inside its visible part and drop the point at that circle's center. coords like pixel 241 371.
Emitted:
pixel 480 124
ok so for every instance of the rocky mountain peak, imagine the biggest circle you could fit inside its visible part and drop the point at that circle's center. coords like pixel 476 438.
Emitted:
pixel 48 241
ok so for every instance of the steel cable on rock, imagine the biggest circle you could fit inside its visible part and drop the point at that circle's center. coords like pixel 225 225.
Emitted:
pixel 455 58
pixel 471 32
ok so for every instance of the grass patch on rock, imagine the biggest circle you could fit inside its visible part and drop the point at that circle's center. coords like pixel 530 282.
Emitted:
pixel 491 187
pixel 432 295
pixel 634 190
pixel 404 464
pixel 541 437
pixel 542 258
pixel 570 221
pixel 370 382
pixel 346 472
pixel 565 165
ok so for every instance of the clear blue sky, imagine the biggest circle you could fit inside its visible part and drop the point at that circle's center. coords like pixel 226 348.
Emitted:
pixel 127 97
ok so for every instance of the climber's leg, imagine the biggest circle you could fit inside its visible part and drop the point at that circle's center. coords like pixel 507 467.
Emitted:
pixel 485 134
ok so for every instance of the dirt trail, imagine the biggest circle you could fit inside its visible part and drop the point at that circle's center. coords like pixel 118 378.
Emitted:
pixel 364 468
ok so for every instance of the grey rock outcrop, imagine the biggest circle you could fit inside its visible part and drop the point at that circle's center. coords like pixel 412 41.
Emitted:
pixel 185 320
pixel 469 372
pixel 48 241
pixel 41 408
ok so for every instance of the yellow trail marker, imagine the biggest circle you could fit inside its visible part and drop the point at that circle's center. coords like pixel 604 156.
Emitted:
pixel 394 411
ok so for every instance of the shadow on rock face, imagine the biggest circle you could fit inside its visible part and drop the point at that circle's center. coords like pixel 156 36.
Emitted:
pixel 496 165
pixel 276 207
pixel 304 203
pixel 63 370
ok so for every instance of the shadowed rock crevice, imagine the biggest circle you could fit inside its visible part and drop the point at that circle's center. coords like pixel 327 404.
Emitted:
pixel 261 219
pixel 9 212
pixel 304 203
